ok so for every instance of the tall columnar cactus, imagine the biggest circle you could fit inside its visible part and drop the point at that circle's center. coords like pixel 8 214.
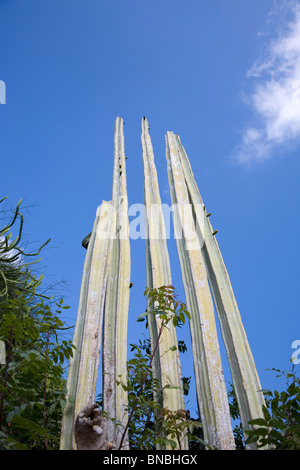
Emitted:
pixel 166 367
pixel 87 336
pixel 243 370
pixel 210 383
pixel 104 300
pixel 117 300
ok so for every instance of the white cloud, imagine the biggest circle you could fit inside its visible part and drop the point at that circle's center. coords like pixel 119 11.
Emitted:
pixel 276 96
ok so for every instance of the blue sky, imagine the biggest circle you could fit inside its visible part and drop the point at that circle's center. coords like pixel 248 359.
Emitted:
pixel 224 75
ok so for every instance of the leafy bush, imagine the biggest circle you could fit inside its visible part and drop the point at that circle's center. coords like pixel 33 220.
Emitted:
pixel 32 387
pixel 280 427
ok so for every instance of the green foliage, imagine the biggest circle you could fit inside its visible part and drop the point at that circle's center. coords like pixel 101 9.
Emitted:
pixel 166 306
pixel 280 427
pixel 32 386
pixel 143 434
pixel 168 427
pixel 141 426
pixel 175 424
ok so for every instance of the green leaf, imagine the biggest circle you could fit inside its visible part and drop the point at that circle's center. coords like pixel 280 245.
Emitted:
pixel 142 316
pixel 172 444
pixel 251 439
pixel 274 405
pixel 62 402
pixel 258 422
pixel 261 432
pixel 276 435
pixel 277 423
pixel 266 413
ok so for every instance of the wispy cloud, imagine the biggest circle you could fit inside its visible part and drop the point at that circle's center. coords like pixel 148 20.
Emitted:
pixel 275 99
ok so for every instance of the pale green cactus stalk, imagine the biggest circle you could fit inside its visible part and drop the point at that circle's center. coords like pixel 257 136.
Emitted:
pixel 117 301
pixel 104 300
pixel 87 335
pixel 209 377
pixel 243 370
pixel 166 365
pixel 90 351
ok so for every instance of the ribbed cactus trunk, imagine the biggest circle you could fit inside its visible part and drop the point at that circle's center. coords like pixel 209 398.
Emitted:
pixel 103 303
pixel 166 366
pixel 83 368
pixel 243 370
pixel 117 300
pixel 210 383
